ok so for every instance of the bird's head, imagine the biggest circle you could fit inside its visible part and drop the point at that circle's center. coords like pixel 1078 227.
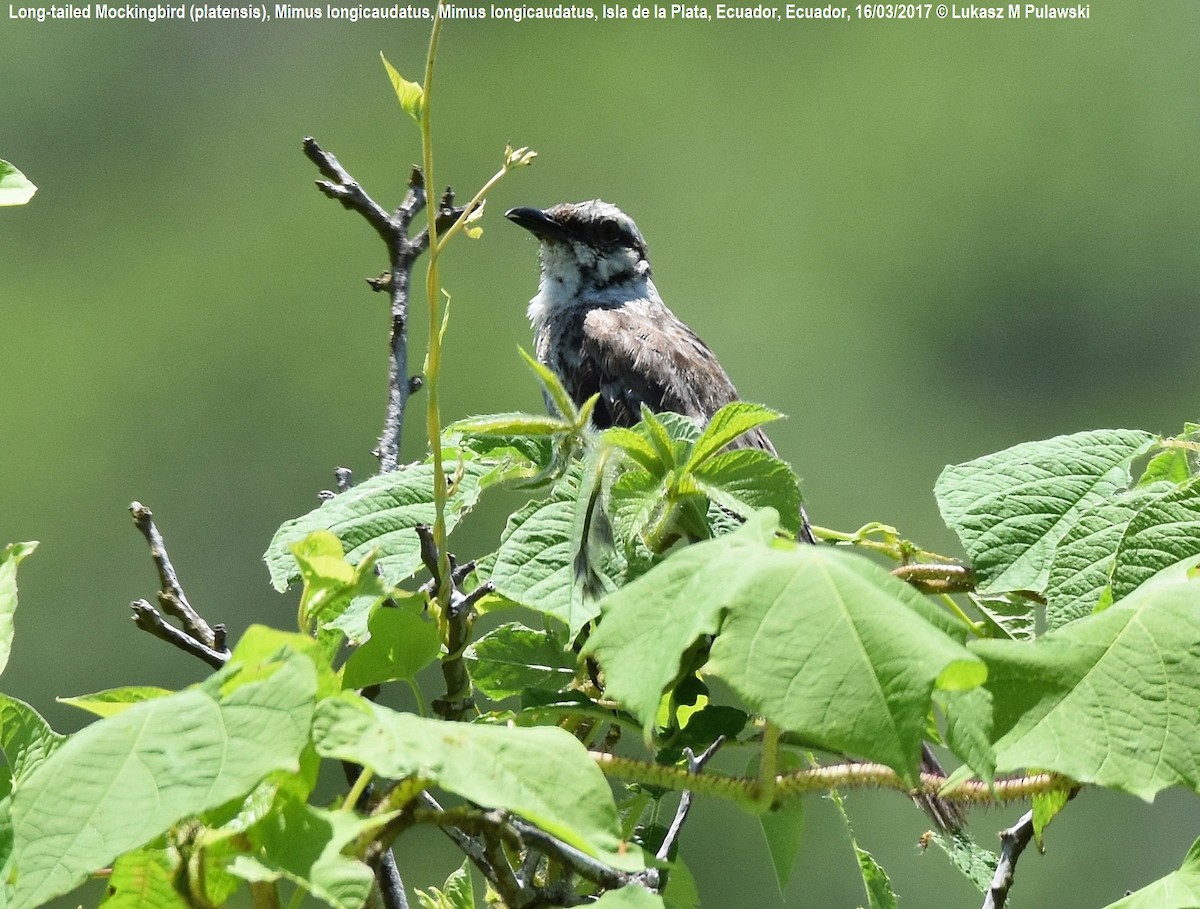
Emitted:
pixel 586 246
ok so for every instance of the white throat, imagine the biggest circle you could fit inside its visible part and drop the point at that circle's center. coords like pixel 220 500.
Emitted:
pixel 574 276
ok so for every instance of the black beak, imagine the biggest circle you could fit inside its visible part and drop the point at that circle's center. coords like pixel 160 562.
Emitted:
pixel 538 223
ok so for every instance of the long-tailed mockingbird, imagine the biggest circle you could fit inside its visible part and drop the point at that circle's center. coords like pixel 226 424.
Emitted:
pixel 602 327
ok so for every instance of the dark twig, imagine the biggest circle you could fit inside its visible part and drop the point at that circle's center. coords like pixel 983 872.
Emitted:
pixel 403 251
pixel 171 596
pixel 694 765
pixel 147 618
pixel 197 637
pixel 1012 843
pixel 383 863
pixel 459 615
pixel 465 820
pixel 391 887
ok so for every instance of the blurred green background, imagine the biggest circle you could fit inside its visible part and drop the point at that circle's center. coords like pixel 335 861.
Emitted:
pixel 924 241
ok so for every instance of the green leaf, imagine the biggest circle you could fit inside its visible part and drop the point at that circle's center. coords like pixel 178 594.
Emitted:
pixel 26 738
pixel 1169 465
pixel 511 424
pixel 410 94
pixel 557 395
pixel 638 447
pixel 977 864
pixel 331 581
pixel 513 658
pixel 518 157
pixel 681 891
pixel 783 825
pixel 1007 616
pixel 1110 699
pixel 305 845
pixel 1046 806
pixel 378 514
pixel 1163 533
pixel 749 479
pixel 1178 890
pixel 112 701
pixel 556 554
pixel 823 642
pixel 10 557
pixel 456 893
pixel 1083 561
pixel 658 436
pixel 402 644
pixel 726 426
pixel 15 188
pixel 880 894
pixel 543 774
pixel 969 729
pixel 1010 509
pixel 631 896
pixel 124 780
pixel 144 879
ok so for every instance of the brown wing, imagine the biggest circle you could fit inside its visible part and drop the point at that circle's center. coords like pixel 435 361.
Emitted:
pixel 641 354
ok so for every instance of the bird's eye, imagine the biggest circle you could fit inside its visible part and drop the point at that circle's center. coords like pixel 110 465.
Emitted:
pixel 610 231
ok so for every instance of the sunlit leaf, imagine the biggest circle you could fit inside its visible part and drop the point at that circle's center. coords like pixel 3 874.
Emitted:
pixel 15 188
pixel 543 774
pixel 10 557
pixel 410 94
pixel 1010 509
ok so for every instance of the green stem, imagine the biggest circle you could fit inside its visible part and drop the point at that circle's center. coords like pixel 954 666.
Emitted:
pixel 475 202
pixel 356 791
pixel 433 358
pixel 745 791
pixel 768 765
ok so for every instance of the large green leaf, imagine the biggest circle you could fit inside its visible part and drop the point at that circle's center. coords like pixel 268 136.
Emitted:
pixel 823 642
pixel 1110 699
pixel 556 554
pixel 25 737
pixel 402 644
pixel 1010 509
pixel 1165 532
pixel 124 780
pixel 380 513
pixel 10 557
pixel 747 479
pixel 1083 560
pixel 512 658
pixel 543 774
pixel 1178 890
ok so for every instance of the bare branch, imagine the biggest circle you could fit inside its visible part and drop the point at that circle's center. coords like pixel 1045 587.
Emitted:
pixel 694 765
pixel 1012 843
pixel 147 618
pixel 197 637
pixel 403 251
pixel 171 597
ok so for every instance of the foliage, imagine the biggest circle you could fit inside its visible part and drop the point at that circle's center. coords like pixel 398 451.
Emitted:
pixel 648 561
pixel 15 188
